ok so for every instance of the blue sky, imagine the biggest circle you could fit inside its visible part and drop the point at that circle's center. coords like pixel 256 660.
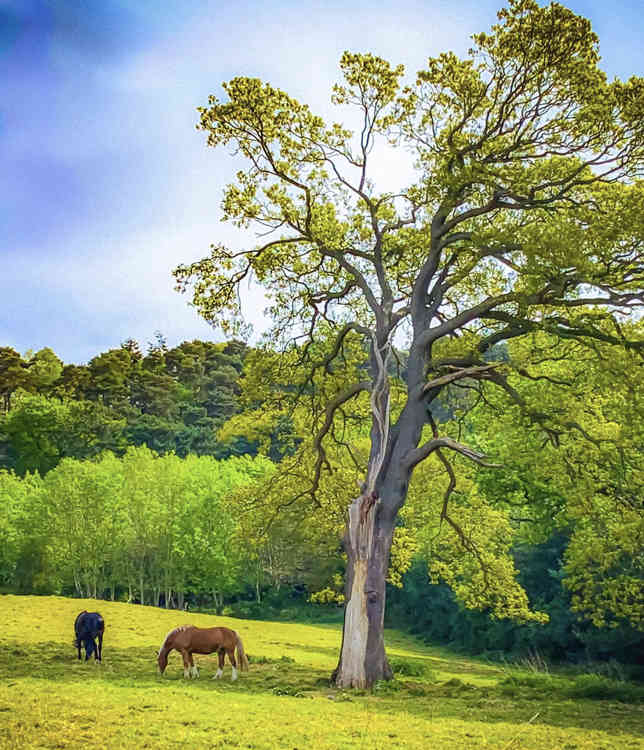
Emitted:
pixel 105 185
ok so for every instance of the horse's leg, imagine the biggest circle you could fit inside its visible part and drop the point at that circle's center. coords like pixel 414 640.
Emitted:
pixel 186 663
pixel 231 656
pixel 194 672
pixel 221 654
pixel 100 645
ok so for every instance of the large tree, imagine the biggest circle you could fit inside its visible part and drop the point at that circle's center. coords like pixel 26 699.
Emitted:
pixel 526 215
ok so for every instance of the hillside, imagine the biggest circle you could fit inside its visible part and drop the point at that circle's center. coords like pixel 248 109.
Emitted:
pixel 50 700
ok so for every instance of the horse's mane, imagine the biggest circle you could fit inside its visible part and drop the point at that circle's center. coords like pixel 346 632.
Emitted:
pixel 171 633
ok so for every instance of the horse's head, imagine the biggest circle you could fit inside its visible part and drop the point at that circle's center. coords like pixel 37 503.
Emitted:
pixel 162 660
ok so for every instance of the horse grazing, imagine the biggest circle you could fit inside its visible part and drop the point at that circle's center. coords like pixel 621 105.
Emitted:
pixel 87 627
pixel 189 640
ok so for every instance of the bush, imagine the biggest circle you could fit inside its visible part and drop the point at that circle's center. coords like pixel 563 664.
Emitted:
pixel 410 668
pixel 596 686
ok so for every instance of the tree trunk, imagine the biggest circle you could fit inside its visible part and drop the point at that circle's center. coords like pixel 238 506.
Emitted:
pixel 369 534
pixel 368 543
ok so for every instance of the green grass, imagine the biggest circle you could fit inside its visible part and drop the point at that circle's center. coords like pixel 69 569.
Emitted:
pixel 438 700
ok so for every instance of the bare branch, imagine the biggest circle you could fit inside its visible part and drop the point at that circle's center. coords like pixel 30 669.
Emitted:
pixel 419 454
pixel 467 372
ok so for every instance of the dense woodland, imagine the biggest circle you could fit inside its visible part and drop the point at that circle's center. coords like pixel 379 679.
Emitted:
pixel 139 477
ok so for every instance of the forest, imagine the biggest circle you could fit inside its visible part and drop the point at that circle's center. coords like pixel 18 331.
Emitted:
pixel 141 477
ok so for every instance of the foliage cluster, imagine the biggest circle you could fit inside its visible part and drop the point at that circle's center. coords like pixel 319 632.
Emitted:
pixel 432 612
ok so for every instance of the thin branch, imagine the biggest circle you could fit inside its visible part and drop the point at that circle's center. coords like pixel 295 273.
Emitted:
pixel 419 454
pixel 467 372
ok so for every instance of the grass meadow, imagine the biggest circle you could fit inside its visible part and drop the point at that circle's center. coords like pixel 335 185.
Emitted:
pixel 438 700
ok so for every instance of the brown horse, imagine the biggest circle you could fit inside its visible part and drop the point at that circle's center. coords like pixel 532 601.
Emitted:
pixel 189 640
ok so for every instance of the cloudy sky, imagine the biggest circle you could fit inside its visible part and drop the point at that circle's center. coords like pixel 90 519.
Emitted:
pixel 105 185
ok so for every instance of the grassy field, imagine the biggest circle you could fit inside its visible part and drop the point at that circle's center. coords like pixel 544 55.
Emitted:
pixel 50 700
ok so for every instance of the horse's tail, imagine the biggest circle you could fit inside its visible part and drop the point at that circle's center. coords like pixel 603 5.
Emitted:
pixel 241 655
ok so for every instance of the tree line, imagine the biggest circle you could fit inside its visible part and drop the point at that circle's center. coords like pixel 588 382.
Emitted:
pixel 84 516
pixel 170 399
pixel 141 527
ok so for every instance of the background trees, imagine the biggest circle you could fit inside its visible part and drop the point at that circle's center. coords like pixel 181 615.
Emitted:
pixel 268 558
pixel 169 400
pixel 152 528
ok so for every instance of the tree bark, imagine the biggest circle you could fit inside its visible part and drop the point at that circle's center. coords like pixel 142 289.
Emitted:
pixel 258 593
pixel 368 540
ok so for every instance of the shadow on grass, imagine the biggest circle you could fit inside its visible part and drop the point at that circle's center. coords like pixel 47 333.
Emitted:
pixel 331 651
pixel 585 704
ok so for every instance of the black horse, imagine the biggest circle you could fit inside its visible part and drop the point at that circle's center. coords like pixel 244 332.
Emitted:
pixel 89 626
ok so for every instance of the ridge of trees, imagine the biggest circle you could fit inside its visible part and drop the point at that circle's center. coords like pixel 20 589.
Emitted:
pixel 170 399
